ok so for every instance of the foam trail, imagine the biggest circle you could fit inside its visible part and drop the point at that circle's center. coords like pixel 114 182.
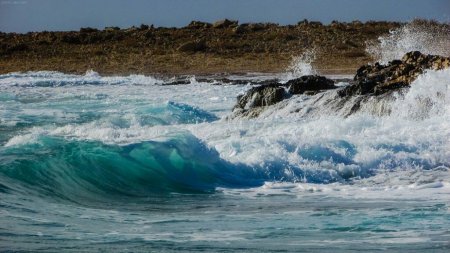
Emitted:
pixel 55 79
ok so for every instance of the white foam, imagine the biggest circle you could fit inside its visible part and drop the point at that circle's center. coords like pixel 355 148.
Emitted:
pixel 23 139
pixel 415 36
pixel 301 65
pixel 296 135
pixel 53 78
pixel 394 185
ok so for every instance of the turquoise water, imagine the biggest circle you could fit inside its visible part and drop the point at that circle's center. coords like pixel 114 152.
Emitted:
pixel 126 164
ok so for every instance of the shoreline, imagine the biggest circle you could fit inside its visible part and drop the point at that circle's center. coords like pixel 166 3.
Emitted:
pixel 225 47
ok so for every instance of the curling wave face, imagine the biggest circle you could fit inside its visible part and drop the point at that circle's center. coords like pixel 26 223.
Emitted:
pixel 126 161
pixel 91 126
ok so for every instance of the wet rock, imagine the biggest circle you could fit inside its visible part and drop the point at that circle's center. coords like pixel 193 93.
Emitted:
pixel 309 83
pixel 271 92
pixel 378 79
pixel 261 96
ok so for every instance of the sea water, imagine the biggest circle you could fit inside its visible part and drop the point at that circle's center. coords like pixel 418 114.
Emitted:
pixel 91 163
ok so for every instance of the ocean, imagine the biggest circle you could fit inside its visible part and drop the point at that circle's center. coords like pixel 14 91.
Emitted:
pixel 129 164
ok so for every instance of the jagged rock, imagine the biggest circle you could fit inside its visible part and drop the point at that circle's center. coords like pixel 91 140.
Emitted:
pixel 271 92
pixel 193 46
pixel 225 23
pixel 240 29
pixel 261 96
pixel 378 79
pixel 198 25
pixel 309 83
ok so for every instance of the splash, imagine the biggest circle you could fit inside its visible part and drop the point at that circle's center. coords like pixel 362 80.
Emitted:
pixel 428 96
pixel 302 65
pixel 427 37
pixel 296 140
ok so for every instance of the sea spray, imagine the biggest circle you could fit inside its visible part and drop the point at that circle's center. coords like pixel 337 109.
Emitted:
pixel 96 166
pixel 301 65
pixel 427 37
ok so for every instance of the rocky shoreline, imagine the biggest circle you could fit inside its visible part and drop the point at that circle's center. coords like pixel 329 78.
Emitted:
pixel 371 80
pixel 199 48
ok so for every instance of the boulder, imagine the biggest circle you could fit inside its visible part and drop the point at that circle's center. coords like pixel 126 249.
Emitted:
pixel 198 25
pixel 261 96
pixel 309 83
pixel 193 46
pixel 377 79
pixel 225 23
pixel 271 92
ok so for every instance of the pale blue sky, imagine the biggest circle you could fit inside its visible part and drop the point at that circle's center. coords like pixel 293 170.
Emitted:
pixel 38 15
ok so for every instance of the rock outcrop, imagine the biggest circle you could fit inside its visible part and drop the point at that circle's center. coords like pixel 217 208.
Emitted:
pixel 146 49
pixel 225 23
pixel 372 83
pixel 254 101
pixel 261 96
pixel 309 83
pixel 198 25
pixel 193 46
pixel 378 79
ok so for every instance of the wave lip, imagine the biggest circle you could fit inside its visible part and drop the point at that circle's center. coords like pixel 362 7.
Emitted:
pixel 82 170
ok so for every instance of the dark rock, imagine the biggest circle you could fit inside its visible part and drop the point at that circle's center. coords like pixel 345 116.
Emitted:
pixel 378 79
pixel 303 22
pixel 198 25
pixel 309 83
pixel 70 38
pixel 193 46
pixel 88 30
pixel 271 92
pixel 225 23
pixel 144 27
pixel 261 96
pixel 240 29
pixel 257 26
pixel 315 23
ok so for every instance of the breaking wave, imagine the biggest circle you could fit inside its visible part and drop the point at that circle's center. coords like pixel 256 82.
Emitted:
pixel 427 37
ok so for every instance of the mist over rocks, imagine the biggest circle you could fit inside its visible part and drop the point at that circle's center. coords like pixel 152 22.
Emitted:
pixel 376 79
pixel 372 83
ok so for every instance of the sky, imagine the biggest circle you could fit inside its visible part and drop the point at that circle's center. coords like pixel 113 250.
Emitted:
pixel 63 15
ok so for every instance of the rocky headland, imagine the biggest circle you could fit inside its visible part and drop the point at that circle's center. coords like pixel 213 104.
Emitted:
pixel 371 80
pixel 198 48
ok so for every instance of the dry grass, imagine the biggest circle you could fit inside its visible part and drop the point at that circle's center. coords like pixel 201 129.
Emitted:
pixel 148 50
